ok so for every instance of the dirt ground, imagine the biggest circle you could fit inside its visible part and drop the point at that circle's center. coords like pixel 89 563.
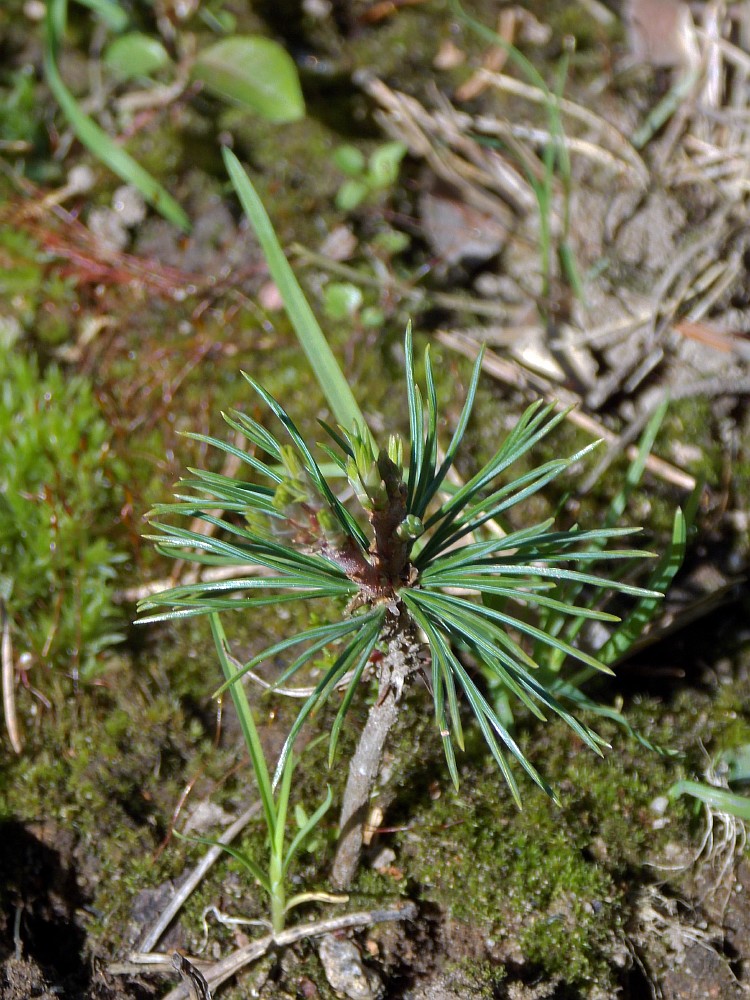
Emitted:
pixel 619 892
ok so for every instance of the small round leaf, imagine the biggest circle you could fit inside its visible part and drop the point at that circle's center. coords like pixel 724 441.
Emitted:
pixel 341 299
pixel 254 72
pixel 134 55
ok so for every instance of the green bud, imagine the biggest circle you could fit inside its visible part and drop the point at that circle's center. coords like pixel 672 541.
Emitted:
pixel 391 474
pixel 396 452
pixel 330 527
pixel 411 527
pixel 291 461
pixel 370 476
pixel 352 474
pixel 285 496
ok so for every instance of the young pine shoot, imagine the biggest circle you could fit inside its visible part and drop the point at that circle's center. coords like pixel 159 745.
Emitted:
pixel 422 583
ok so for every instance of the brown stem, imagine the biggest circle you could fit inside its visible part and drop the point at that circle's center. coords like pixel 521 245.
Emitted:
pixel 391 552
pixel 401 659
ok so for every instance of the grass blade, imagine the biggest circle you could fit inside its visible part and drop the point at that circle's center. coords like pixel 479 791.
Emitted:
pixel 94 138
pixel 312 340
pixel 247 724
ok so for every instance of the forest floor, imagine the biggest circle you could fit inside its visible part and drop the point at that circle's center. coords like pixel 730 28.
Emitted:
pixel 610 278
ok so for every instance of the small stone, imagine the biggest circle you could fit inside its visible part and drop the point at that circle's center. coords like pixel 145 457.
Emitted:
pixel 129 204
pixel 269 297
pixel 449 56
pixel 344 970
pixel 659 805
pixel 340 244
pixel 383 859
pixel 108 229
pixel 662 33
pixel 80 179
pixel 35 10
pixel 205 816
pixel 317 9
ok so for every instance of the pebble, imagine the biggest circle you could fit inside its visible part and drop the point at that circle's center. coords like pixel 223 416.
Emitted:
pixel 345 971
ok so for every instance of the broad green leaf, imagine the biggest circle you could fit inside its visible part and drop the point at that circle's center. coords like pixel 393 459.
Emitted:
pixel 135 54
pixel 254 72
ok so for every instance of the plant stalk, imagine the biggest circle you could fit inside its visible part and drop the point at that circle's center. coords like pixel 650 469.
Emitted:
pixel 400 660
pixel 278 893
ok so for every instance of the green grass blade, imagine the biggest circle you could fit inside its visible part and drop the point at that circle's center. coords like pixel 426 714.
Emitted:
pixel 319 637
pixel 369 639
pixel 233 852
pixel 304 832
pixel 718 799
pixel 323 688
pixel 247 724
pixel 94 138
pixel 282 805
pixel 312 340
pixel 458 435
pixel 624 637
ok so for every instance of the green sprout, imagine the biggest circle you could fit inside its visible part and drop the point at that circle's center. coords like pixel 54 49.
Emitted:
pixel 366 178
pixel 414 565
pixel 275 807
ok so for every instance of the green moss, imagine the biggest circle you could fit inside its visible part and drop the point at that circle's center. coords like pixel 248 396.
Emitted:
pixel 37 299
pixel 59 485
pixel 550 879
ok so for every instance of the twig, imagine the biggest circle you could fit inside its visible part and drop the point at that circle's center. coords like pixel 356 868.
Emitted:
pixel 511 374
pixel 9 682
pixel 165 918
pixel 715 385
pixel 193 978
pixel 399 662
pixel 302 692
pixel 581 114
pixel 217 974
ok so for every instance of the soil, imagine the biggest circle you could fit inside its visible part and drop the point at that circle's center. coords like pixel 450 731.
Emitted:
pixel 617 892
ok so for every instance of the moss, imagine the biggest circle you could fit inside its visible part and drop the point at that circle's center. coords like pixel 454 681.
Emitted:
pixel 59 488
pixel 38 298
pixel 554 880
